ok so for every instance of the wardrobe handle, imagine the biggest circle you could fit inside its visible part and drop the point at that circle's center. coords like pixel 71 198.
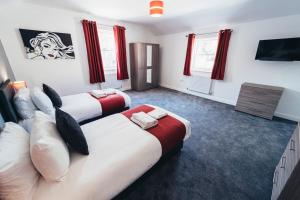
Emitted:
pixel 283 161
pixel 292 146
pixel 275 178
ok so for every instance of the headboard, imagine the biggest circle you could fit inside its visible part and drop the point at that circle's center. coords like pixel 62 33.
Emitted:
pixel 6 102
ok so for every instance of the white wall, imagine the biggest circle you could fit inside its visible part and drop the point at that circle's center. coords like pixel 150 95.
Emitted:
pixel 241 63
pixel 5 69
pixel 71 76
pixel 67 76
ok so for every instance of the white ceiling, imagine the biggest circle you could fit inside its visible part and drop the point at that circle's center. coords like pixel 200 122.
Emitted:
pixel 181 15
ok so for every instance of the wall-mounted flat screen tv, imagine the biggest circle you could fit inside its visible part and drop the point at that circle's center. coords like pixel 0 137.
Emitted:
pixel 279 50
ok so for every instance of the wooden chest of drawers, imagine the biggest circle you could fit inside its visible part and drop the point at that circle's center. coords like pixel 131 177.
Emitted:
pixel 259 100
pixel 286 180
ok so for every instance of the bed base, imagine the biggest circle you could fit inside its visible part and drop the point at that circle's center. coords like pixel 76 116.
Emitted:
pixel 131 188
pixel 100 117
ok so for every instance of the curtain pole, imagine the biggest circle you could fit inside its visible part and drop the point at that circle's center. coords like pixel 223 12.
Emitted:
pixel 206 33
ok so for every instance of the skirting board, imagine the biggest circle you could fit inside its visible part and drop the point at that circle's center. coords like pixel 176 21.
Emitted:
pixel 222 100
pixel 125 88
pixel 287 116
pixel 227 101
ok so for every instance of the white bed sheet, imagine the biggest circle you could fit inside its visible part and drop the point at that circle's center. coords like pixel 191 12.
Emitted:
pixel 119 154
pixel 83 106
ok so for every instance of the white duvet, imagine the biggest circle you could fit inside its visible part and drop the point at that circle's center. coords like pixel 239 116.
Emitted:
pixel 83 106
pixel 119 155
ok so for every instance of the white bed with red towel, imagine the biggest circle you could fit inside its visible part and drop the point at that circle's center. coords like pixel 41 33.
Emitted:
pixel 119 154
pixel 85 106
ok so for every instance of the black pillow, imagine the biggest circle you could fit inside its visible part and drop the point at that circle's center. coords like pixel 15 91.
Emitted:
pixel 52 94
pixel 71 132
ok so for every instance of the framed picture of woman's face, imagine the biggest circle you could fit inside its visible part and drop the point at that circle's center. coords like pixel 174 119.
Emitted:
pixel 47 45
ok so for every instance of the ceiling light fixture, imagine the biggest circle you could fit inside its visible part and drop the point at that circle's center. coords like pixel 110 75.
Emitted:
pixel 156 8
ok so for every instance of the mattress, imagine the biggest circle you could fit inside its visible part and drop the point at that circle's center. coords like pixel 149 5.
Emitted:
pixel 83 106
pixel 119 155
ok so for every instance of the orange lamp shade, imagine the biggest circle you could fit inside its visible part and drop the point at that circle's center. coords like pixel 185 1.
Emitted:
pixel 18 85
pixel 156 8
pixel 157 3
pixel 156 12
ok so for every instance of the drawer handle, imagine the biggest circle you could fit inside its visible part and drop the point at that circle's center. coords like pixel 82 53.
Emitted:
pixel 275 179
pixel 283 161
pixel 292 146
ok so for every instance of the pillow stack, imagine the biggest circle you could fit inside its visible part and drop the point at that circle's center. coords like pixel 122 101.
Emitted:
pixel 24 156
pixel 28 101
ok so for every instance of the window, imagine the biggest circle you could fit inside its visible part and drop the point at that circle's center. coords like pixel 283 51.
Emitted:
pixel 108 50
pixel 204 53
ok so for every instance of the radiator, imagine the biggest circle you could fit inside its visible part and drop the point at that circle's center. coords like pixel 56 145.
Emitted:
pixel 111 82
pixel 199 84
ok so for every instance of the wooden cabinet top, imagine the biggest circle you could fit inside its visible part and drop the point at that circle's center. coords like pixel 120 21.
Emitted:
pixel 143 43
pixel 268 87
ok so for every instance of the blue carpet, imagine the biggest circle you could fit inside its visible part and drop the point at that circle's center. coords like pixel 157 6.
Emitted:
pixel 230 155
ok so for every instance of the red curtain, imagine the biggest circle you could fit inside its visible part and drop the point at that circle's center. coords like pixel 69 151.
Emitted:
pixel 93 51
pixel 221 55
pixel 189 52
pixel 119 33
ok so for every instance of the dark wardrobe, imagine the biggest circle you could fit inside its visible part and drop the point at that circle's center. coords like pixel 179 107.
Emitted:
pixel 144 63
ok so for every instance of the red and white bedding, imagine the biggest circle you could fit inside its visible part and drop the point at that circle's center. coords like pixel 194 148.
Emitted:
pixel 84 106
pixel 169 131
pixel 119 154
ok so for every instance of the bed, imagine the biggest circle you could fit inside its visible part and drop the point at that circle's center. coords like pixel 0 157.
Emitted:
pixel 119 155
pixel 82 107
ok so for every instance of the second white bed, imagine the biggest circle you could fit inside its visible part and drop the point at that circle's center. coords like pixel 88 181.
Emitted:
pixel 83 106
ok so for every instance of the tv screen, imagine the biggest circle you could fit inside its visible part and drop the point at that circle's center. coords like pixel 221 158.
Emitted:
pixel 279 50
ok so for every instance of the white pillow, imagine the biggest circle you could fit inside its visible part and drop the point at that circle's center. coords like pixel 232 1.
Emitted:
pixel 42 101
pixel 18 177
pixel 24 104
pixel 49 153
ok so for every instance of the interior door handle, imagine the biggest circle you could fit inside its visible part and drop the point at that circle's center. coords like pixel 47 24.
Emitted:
pixel 283 161
pixel 275 179
pixel 292 145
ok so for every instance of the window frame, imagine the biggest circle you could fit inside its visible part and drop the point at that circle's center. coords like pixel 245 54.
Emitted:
pixel 112 69
pixel 198 70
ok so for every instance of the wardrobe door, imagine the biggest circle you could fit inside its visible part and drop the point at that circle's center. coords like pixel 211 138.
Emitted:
pixel 155 65
pixel 142 68
pixel 152 62
pixel 149 64
pixel 137 66
pixel 133 65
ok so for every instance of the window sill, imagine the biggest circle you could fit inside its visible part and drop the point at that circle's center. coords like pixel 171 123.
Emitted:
pixel 201 73
pixel 112 71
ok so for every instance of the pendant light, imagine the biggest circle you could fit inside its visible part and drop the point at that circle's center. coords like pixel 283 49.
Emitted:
pixel 156 8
